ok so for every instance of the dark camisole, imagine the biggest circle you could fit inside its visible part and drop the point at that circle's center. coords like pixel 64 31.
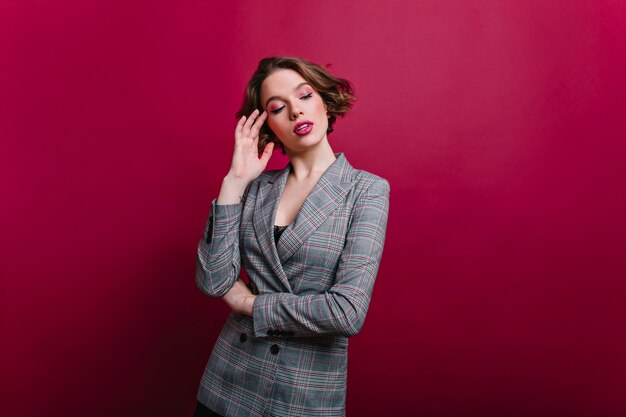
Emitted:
pixel 278 230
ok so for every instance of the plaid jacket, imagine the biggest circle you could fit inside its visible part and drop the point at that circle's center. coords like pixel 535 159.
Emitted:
pixel 314 288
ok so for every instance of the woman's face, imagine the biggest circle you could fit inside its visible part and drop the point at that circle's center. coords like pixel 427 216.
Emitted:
pixel 296 113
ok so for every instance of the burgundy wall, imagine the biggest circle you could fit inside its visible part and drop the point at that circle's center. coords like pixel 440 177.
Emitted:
pixel 499 125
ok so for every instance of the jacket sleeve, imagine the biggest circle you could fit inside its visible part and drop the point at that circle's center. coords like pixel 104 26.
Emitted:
pixel 342 309
pixel 218 261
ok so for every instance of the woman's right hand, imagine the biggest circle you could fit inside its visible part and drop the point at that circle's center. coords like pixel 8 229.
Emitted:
pixel 247 165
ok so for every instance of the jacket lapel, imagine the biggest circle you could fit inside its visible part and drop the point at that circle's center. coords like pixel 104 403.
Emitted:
pixel 263 220
pixel 326 195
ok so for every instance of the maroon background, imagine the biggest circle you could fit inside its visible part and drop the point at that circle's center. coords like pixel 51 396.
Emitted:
pixel 499 125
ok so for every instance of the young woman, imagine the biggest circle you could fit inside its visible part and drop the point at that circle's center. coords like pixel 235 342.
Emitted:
pixel 310 237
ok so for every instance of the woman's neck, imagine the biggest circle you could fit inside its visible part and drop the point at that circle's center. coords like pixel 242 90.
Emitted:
pixel 312 163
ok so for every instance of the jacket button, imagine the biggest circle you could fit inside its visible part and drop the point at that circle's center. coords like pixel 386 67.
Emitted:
pixel 274 349
pixel 243 337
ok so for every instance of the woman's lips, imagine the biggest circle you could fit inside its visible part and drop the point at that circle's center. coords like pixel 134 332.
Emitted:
pixel 303 128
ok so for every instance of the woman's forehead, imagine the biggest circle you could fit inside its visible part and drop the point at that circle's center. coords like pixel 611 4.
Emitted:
pixel 281 82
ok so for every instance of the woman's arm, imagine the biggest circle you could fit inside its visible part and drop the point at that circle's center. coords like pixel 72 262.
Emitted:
pixel 218 261
pixel 342 309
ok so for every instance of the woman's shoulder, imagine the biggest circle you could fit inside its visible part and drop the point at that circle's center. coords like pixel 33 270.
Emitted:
pixel 266 176
pixel 366 180
pixel 367 177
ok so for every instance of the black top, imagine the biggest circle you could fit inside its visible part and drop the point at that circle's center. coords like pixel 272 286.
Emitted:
pixel 278 230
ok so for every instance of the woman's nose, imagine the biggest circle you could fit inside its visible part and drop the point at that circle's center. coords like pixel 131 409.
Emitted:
pixel 295 113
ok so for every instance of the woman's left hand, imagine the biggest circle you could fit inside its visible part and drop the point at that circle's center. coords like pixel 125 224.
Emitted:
pixel 239 298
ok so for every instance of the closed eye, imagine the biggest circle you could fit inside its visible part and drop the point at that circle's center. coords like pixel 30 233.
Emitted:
pixel 305 97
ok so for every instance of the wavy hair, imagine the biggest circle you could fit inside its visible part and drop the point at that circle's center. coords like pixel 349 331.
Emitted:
pixel 337 93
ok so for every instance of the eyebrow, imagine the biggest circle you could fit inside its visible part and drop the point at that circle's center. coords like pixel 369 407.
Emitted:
pixel 276 97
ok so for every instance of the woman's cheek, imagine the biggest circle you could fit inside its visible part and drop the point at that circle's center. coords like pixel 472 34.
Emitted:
pixel 272 127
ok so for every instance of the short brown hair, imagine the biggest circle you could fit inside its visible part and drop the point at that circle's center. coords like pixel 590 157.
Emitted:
pixel 337 93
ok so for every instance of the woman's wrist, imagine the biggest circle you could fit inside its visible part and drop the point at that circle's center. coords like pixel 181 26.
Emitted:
pixel 232 190
pixel 239 298
pixel 233 179
pixel 247 305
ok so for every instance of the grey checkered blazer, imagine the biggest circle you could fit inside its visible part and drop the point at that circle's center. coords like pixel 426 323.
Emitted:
pixel 314 288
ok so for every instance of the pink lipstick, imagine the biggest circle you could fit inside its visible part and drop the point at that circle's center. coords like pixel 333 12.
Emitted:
pixel 303 128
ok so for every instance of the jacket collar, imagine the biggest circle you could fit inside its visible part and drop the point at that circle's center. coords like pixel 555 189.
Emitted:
pixel 325 196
